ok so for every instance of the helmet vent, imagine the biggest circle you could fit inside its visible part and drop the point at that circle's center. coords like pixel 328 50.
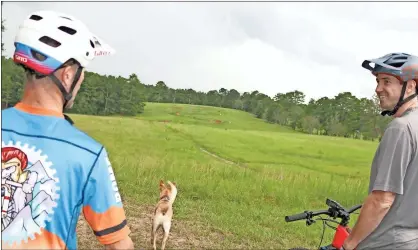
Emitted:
pixel 67 30
pixel 35 17
pixel 49 41
pixel 96 42
pixel 66 18
pixel 92 44
pixel 38 56
pixel 397 64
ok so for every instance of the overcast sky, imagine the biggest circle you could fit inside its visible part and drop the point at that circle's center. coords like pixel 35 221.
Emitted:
pixel 316 48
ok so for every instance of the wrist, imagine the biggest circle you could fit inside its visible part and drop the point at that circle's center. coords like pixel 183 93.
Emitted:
pixel 349 245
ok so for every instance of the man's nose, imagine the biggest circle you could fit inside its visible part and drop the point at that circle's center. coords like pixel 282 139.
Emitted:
pixel 379 88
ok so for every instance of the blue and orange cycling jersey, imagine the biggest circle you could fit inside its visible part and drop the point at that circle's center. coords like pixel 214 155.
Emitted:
pixel 51 172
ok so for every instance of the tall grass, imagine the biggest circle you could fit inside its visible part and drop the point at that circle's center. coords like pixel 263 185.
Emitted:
pixel 275 172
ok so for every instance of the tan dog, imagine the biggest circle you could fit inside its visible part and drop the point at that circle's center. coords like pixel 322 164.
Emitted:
pixel 163 212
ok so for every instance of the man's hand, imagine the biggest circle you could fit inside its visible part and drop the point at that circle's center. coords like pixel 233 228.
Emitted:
pixel 122 244
pixel 374 209
pixel 347 246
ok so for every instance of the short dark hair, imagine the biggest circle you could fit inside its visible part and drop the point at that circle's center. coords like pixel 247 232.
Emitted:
pixel 30 73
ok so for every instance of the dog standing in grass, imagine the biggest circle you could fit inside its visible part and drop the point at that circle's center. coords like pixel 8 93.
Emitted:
pixel 163 212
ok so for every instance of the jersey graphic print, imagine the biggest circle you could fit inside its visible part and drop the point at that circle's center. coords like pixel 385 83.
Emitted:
pixel 113 180
pixel 28 192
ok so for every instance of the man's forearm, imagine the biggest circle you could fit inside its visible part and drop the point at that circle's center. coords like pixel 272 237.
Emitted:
pixel 122 244
pixel 372 213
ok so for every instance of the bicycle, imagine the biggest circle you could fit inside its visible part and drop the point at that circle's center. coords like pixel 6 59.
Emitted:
pixel 335 210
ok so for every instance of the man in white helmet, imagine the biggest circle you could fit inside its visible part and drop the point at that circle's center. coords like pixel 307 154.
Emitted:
pixel 389 216
pixel 71 172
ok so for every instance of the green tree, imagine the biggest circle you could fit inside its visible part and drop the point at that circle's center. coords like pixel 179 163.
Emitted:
pixel 341 115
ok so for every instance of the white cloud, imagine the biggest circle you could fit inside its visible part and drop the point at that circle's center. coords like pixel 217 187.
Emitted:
pixel 271 47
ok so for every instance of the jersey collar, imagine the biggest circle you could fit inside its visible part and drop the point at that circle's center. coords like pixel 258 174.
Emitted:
pixel 37 111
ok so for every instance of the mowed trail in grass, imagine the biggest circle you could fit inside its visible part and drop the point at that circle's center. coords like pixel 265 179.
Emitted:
pixel 276 171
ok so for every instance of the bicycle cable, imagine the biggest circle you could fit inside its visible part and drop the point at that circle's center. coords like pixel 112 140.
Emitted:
pixel 334 221
pixel 324 222
pixel 323 231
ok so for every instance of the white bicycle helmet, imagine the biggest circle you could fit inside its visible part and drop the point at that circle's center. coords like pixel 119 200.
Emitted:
pixel 48 39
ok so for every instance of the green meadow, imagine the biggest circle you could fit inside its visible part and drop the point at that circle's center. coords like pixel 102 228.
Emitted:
pixel 238 176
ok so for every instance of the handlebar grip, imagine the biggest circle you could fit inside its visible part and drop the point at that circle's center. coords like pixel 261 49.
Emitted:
pixel 296 217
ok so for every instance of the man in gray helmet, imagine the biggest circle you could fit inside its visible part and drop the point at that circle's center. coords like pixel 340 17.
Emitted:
pixel 389 216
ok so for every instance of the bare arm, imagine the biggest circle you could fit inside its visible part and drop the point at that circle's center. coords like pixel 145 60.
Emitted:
pixel 389 167
pixel 122 244
pixel 374 209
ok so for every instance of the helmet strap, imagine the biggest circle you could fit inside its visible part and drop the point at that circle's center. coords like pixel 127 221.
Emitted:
pixel 67 95
pixel 400 102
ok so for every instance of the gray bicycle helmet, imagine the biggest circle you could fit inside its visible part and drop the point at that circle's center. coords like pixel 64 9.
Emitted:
pixel 400 65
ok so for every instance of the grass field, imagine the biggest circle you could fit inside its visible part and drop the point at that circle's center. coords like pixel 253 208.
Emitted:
pixel 238 177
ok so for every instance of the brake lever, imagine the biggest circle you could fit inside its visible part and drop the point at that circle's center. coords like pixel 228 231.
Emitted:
pixel 309 220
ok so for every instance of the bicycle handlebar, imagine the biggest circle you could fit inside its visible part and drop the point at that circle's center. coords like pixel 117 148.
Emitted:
pixel 353 208
pixel 335 210
pixel 305 215
pixel 296 217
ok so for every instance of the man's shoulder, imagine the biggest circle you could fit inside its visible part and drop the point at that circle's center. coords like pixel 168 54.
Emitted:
pixel 7 112
pixel 398 124
pixel 403 128
pixel 80 137
pixel 10 118
pixel 407 122
pixel 51 128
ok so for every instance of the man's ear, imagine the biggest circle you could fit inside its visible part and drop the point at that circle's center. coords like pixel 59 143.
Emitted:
pixel 411 86
pixel 66 76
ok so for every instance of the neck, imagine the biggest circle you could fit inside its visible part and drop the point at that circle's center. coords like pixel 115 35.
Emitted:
pixel 165 197
pixel 42 95
pixel 411 104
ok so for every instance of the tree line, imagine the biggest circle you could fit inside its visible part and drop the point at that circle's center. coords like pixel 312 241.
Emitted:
pixel 343 115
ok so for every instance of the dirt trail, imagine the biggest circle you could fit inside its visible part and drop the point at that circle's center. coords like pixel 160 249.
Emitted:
pixel 189 137
pixel 183 234
pixel 221 158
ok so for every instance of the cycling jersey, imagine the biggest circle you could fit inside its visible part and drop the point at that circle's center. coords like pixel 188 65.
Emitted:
pixel 50 172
